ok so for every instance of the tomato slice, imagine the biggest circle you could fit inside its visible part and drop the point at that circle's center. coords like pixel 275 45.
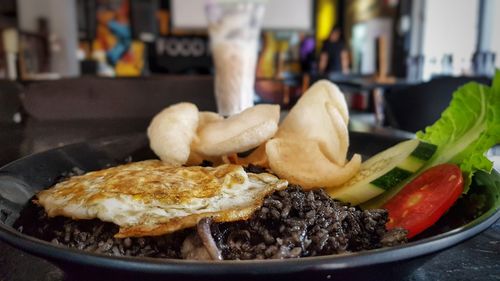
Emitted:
pixel 425 199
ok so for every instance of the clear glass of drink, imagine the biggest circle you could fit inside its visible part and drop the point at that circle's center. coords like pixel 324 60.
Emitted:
pixel 234 28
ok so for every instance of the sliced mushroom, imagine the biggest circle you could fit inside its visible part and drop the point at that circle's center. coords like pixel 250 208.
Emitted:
pixel 171 132
pixel 192 248
pixel 302 162
pixel 204 232
pixel 239 132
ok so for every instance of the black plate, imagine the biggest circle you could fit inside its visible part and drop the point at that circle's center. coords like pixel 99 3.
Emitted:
pixel 21 179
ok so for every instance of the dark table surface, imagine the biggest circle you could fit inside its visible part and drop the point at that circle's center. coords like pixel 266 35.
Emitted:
pixel 476 259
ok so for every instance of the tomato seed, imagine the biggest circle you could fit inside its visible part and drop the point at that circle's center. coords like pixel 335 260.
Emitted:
pixel 404 213
pixel 413 200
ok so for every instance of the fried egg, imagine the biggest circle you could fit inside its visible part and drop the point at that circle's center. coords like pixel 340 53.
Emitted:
pixel 150 198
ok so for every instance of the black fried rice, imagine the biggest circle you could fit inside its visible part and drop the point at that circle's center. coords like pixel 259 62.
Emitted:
pixel 291 223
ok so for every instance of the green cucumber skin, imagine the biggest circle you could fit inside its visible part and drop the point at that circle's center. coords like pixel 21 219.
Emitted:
pixel 411 164
pixel 392 178
pixel 424 151
pixel 379 201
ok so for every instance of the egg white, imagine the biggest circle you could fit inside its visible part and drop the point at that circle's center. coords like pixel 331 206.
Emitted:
pixel 153 198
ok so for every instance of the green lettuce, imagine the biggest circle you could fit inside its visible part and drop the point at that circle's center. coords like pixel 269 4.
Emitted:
pixel 467 129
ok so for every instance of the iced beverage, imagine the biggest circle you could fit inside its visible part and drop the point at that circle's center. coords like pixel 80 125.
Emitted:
pixel 234 28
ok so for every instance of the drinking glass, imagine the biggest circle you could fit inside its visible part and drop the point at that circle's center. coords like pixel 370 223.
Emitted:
pixel 234 28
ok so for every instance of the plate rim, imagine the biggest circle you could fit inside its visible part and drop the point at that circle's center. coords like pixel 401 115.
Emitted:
pixel 414 249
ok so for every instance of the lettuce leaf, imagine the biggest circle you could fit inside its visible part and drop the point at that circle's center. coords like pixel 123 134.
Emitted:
pixel 467 129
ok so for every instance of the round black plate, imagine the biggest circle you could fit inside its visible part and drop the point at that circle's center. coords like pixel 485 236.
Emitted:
pixel 21 179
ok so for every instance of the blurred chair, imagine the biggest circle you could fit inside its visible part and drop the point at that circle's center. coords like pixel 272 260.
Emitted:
pixel 121 98
pixel 10 103
pixel 415 107
pixel 67 111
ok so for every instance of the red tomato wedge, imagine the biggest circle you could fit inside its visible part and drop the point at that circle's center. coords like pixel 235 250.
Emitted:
pixel 425 199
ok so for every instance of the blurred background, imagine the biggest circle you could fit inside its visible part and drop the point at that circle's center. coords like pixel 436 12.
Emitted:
pixel 373 49
pixel 75 70
pixel 417 39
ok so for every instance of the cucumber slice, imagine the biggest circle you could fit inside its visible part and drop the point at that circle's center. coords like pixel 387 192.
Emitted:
pixel 426 152
pixel 384 171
